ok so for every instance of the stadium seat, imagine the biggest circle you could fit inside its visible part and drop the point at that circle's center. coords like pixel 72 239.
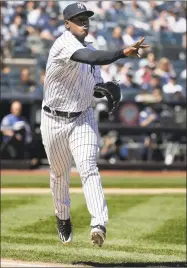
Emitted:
pixel 171 39
pixel 129 93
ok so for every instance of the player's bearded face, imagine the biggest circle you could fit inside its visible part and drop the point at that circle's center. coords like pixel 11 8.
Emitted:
pixel 79 26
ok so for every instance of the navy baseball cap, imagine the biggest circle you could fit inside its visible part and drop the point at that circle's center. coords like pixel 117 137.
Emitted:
pixel 75 9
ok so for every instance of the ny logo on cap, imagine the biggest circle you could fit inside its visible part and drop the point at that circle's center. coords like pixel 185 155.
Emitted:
pixel 80 5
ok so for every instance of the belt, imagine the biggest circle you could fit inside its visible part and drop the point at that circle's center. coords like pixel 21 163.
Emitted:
pixel 59 113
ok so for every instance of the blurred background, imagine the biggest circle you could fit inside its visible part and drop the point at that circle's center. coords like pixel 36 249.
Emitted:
pixel 148 130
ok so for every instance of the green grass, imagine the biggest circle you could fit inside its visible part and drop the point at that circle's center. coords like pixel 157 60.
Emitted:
pixel 33 180
pixel 141 229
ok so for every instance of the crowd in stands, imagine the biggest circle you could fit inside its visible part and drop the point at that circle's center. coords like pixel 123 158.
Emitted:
pixel 30 27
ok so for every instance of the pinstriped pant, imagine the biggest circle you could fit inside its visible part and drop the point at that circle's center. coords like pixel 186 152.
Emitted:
pixel 64 138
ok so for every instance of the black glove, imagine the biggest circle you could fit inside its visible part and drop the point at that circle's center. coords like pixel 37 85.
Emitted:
pixel 110 90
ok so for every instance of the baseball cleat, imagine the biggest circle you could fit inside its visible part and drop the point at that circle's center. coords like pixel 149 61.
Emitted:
pixel 98 235
pixel 64 230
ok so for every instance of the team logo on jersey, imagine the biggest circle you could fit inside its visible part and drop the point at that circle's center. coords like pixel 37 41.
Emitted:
pixel 80 5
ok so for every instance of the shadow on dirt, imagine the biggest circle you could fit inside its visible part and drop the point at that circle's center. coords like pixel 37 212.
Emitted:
pixel 133 264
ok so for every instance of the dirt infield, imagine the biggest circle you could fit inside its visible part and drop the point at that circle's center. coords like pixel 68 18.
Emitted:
pixel 109 173
pixel 115 191
pixel 17 263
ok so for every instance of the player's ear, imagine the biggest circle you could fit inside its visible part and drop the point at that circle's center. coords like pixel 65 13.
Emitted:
pixel 67 25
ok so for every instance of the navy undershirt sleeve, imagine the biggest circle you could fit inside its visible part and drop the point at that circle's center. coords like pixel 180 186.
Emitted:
pixel 97 57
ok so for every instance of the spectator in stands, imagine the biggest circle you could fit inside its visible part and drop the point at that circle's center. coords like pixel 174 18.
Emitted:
pixel 176 22
pixel 5 79
pixel 144 74
pixel 52 26
pixel 161 23
pixel 47 39
pixel 133 10
pixel 17 140
pixel 16 132
pixel 18 31
pixel 33 13
pixel 164 70
pixel 29 7
pixel 149 118
pixel 6 13
pixel 5 69
pixel 120 73
pixel 129 88
pixel 157 95
pixel 105 5
pixel 178 97
pixel 5 39
pixel 20 11
pixel 129 35
pixel 172 87
pixel 113 148
pixel 116 41
pixel 151 59
pixel 105 74
pixel 153 83
pixel 27 84
pixel 34 42
pixel 38 16
pixel 53 7
pixel 147 75
pixel 43 19
pixel 146 96
pixel 173 91
pixel 116 11
pixel 17 28
pixel 128 81
pixel 152 10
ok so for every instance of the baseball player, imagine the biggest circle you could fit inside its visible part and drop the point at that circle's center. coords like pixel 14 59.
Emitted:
pixel 68 126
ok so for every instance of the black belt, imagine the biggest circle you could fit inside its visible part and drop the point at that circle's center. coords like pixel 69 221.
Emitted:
pixel 59 113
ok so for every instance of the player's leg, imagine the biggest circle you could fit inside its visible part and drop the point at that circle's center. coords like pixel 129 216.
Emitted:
pixel 54 137
pixel 84 148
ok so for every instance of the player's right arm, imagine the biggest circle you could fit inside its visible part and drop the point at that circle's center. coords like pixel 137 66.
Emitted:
pixel 101 57
pixel 67 47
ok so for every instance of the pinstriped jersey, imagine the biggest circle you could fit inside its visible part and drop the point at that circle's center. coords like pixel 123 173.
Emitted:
pixel 68 85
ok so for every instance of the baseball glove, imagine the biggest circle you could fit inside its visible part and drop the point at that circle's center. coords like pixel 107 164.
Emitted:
pixel 110 90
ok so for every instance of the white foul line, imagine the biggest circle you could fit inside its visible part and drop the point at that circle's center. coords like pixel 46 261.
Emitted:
pixel 106 190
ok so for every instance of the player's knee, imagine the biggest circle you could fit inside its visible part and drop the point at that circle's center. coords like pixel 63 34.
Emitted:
pixel 88 169
pixel 59 179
